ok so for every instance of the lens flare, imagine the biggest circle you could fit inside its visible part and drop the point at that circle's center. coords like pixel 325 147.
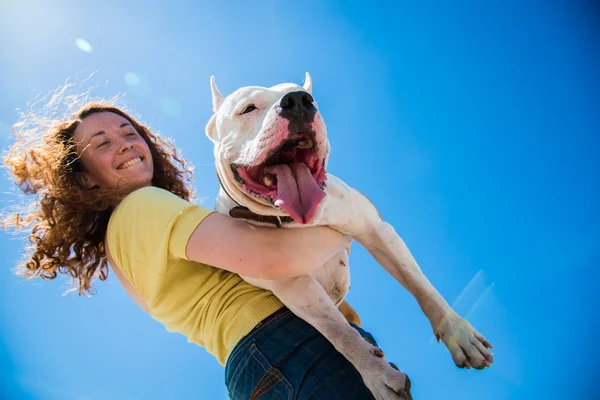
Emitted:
pixel 83 45
pixel 132 79
pixel 171 107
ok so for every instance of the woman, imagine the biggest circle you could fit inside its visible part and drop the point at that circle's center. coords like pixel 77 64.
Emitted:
pixel 109 191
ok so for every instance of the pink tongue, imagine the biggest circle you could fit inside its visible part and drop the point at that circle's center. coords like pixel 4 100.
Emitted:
pixel 297 191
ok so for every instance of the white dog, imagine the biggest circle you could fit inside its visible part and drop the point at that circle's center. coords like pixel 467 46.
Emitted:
pixel 271 152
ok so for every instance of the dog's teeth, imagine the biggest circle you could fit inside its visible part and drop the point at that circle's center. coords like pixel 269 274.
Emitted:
pixel 305 144
pixel 267 181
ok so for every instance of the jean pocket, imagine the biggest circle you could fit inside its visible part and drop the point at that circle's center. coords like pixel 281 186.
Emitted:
pixel 256 378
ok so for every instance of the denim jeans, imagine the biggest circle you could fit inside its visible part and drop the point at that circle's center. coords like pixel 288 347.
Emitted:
pixel 286 358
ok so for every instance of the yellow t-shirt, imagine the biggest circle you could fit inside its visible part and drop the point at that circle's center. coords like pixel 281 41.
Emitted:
pixel 147 237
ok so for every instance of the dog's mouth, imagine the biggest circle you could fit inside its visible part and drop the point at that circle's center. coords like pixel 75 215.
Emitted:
pixel 292 178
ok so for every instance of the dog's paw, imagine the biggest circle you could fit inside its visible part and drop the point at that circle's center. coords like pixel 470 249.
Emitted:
pixel 384 380
pixel 467 346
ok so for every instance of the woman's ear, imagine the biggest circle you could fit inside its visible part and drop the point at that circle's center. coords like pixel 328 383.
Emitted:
pixel 88 181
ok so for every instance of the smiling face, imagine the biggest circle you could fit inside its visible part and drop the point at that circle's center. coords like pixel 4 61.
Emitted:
pixel 271 149
pixel 114 155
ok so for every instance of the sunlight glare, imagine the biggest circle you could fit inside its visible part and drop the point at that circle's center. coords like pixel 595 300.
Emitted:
pixel 171 107
pixel 83 45
pixel 132 79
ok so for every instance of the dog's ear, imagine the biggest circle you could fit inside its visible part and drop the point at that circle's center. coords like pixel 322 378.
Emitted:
pixel 308 83
pixel 217 97
pixel 211 128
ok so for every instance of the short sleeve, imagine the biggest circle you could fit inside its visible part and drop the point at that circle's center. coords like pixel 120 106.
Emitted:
pixel 151 225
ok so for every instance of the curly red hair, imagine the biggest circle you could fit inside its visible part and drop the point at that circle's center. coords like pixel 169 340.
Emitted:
pixel 68 220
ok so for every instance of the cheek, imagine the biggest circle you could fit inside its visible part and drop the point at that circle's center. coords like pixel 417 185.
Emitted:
pixel 239 127
pixel 248 126
pixel 144 145
pixel 98 166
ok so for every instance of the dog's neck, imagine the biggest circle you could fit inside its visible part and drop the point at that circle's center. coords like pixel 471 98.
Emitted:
pixel 236 210
pixel 242 212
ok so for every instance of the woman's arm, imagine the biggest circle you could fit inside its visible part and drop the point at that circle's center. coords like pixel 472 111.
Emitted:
pixel 262 252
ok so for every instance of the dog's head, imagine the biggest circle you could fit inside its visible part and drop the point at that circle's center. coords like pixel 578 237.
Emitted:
pixel 271 148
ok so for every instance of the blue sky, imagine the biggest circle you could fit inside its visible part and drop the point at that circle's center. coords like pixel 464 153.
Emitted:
pixel 473 126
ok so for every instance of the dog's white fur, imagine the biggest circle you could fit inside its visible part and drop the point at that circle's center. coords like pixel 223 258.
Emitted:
pixel 246 140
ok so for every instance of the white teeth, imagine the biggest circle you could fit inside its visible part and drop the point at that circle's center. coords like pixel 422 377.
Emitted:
pixel 267 181
pixel 305 144
pixel 131 162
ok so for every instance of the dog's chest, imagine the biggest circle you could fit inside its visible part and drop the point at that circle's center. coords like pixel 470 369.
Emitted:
pixel 334 275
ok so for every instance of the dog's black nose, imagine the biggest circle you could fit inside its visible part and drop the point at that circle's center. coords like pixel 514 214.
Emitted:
pixel 297 104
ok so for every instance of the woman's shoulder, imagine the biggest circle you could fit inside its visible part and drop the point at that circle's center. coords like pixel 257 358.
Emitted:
pixel 149 221
pixel 143 207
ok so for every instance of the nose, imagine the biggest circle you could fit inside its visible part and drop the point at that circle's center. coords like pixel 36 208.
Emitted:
pixel 126 146
pixel 297 104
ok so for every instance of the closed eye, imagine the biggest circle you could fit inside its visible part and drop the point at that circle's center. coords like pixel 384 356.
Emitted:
pixel 249 108
pixel 102 144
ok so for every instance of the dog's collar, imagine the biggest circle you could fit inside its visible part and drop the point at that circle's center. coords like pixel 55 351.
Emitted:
pixel 245 213
pixel 241 212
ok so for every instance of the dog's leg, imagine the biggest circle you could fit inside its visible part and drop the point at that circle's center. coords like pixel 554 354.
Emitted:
pixel 467 346
pixel 306 298
pixel 349 211
pixel 346 309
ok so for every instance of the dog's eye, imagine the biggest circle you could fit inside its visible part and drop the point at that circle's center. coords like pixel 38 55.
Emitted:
pixel 248 109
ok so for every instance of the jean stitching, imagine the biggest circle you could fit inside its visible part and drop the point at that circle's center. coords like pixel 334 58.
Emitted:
pixel 271 378
pixel 270 370
pixel 241 343
pixel 253 350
